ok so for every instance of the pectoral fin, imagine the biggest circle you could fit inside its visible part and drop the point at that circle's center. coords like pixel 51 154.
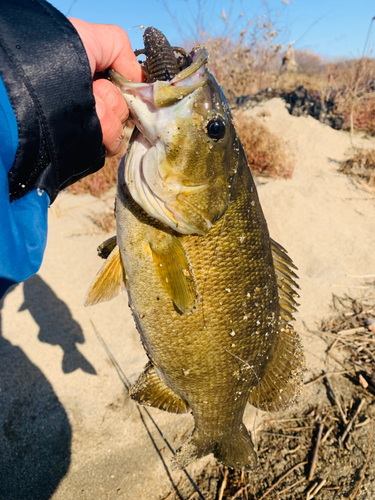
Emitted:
pixel 106 247
pixel 175 272
pixel 110 280
pixel 150 390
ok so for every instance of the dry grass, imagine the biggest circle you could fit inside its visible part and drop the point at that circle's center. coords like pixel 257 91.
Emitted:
pixel 354 98
pixel 105 221
pixel 100 182
pixel 266 152
pixel 361 166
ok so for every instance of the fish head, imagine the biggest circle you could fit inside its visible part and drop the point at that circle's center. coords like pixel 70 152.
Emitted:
pixel 184 150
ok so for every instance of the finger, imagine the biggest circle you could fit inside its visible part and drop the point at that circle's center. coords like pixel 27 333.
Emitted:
pixel 108 46
pixel 126 63
pixel 112 98
pixel 112 128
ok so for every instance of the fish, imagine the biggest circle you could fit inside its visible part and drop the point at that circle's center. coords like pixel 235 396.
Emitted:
pixel 211 294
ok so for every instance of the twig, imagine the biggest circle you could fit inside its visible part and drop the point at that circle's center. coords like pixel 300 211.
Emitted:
pixel 362 475
pixel 332 346
pixel 350 331
pixel 223 484
pixel 325 437
pixel 292 486
pixel 316 449
pixel 290 436
pixel 175 490
pixel 365 422
pixel 285 420
pixel 321 377
pixel 243 480
pixel 349 426
pixel 310 491
pixel 335 359
pixel 281 479
pixel 316 489
pixel 345 420
pixel 294 450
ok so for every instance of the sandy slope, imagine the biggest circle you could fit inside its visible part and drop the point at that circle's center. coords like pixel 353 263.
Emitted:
pixel 68 430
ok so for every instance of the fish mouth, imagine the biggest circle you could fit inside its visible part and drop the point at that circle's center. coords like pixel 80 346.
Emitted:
pixel 150 178
pixel 154 194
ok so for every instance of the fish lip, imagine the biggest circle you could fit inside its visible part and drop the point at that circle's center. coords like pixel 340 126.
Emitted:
pixel 134 179
pixel 156 198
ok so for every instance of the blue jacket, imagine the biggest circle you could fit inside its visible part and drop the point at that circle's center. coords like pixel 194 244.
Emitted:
pixel 49 131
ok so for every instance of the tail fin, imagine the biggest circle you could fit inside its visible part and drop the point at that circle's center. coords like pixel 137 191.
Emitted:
pixel 235 450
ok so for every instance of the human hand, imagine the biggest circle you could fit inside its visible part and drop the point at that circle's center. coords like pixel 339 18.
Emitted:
pixel 108 46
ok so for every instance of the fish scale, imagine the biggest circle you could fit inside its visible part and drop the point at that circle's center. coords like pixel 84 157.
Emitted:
pixel 210 292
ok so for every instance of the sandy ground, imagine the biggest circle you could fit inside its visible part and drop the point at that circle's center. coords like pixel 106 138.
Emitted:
pixel 68 429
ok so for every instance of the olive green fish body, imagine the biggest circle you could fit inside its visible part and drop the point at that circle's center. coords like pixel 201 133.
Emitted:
pixel 211 294
pixel 214 356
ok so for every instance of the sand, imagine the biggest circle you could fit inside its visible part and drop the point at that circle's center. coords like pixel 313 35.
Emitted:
pixel 68 429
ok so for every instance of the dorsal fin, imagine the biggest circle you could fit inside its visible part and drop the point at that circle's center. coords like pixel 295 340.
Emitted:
pixel 283 265
pixel 282 379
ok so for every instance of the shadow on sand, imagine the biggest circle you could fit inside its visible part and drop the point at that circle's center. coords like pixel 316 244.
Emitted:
pixel 35 434
pixel 57 327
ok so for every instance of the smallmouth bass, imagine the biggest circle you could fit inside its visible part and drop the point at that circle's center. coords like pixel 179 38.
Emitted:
pixel 211 293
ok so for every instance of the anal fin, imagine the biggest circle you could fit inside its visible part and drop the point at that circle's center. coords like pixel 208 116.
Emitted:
pixel 110 280
pixel 150 390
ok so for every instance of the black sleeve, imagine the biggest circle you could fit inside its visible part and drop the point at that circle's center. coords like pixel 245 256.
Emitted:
pixel 47 75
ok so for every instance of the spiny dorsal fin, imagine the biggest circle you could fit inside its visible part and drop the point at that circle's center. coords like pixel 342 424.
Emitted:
pixel 109 282
pixel 285 282
pixel 282 380
pixel 150 390
pixel 175 272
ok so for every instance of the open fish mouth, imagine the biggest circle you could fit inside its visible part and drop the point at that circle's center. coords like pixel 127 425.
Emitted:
pixel 157 161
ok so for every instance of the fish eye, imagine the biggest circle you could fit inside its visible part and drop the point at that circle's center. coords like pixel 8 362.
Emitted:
pixel 216 129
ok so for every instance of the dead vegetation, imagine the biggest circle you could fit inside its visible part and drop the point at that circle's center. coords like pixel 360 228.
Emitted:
pixel 99 182
pixel 105 221
pixel 360 165
pixel 267 153
pixel 352 330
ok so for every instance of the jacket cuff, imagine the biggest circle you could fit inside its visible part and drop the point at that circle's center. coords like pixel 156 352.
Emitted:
pixel 45 69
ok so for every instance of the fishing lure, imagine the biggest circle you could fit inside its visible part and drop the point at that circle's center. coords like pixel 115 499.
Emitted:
pixel 161 62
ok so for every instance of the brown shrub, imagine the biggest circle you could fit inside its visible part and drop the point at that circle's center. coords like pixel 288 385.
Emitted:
pixel 105 221
pixel 354 99
pixel 266 152
pixel 309 62
pixel 361 166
